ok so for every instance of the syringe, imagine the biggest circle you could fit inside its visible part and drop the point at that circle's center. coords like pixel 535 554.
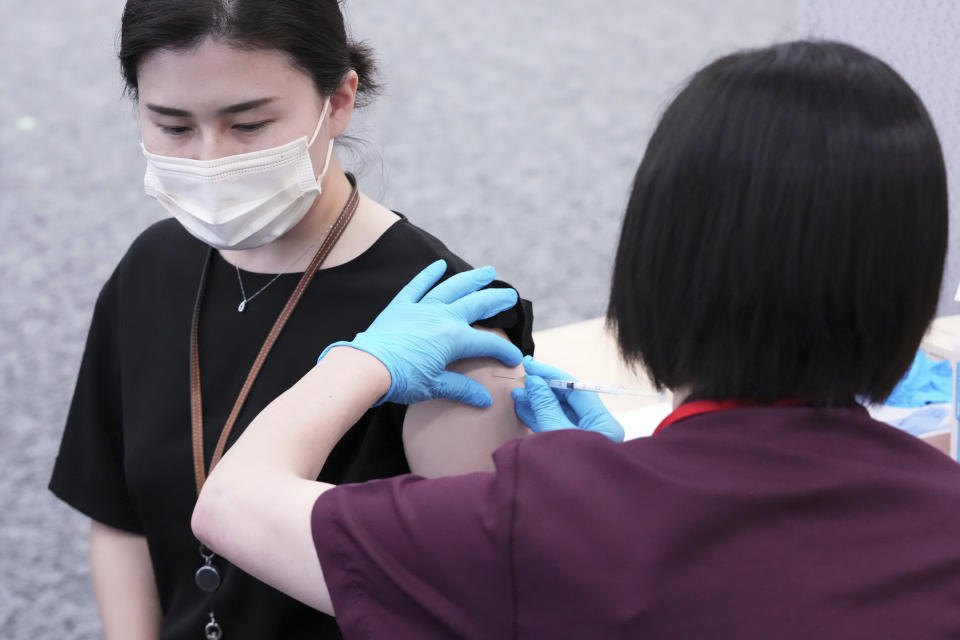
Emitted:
pixel 610 389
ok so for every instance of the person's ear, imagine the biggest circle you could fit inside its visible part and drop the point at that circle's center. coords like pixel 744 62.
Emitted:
pixel 342 102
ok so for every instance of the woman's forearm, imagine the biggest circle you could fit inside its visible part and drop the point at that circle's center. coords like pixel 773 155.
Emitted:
pixel 254 508
pixel 298 430
pixel 124 584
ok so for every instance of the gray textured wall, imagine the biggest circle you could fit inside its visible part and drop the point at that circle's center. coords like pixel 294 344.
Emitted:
pixel 510 129
pixel 918 38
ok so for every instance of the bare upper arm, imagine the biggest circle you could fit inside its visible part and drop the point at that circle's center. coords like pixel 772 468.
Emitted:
pixel 444 437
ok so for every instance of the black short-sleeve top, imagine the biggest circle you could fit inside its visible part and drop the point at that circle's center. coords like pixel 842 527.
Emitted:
pixel 126 456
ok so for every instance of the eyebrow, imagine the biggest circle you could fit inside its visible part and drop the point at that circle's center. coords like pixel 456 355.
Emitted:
pixel 234 108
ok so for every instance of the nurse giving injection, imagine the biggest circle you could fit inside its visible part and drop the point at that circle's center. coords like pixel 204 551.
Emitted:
pixel 780 260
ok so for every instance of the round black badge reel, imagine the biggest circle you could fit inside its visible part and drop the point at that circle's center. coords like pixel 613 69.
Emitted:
pixel 207 576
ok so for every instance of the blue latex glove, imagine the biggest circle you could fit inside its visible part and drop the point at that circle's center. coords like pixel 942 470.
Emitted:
pixel 923 420
pixel 423 330
pixel 927 382
pixel 543 408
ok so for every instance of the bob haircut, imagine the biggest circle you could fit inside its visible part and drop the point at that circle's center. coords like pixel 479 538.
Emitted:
pixel 786 233
pixel 310 32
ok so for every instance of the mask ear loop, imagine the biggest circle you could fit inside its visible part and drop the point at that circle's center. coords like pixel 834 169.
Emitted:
pixel 323 116
pixel 316 132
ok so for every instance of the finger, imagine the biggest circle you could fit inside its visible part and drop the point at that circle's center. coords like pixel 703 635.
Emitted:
pixel 544 370
pixel 532 367
pixel 459 285
pixel 483 344
pixel 545 406
pixel 521 407
pixel 414 290
pixel 614 431
pixel 520 395
pixel 484 304
pixel 568 411
pixel 586 403
pixel 455 386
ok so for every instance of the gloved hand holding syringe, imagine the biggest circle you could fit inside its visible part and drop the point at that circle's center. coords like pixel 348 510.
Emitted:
pixel 551 399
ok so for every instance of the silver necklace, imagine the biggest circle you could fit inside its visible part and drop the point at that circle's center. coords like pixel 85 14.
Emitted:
pixel 243 293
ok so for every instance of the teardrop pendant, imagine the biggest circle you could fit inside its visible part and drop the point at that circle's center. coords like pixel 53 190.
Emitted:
pixel 243 305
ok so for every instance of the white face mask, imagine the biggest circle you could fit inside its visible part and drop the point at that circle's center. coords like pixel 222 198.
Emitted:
pixel 242 201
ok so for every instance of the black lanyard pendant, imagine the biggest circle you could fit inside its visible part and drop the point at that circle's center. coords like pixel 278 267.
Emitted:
pixel 207 576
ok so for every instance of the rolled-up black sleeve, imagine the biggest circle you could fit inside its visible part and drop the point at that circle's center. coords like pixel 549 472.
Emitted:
pixel 89 470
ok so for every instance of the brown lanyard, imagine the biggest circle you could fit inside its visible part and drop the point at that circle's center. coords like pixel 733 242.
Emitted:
pixel 196 399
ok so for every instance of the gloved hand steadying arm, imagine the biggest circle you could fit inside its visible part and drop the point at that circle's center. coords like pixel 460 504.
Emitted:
pixel 423 330
pixel 543 408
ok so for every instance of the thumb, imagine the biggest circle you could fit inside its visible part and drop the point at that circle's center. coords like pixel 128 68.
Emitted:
pixel 522 408
pixel 455 386
pixel 545 406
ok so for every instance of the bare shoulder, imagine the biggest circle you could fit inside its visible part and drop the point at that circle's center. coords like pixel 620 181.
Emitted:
pixel 443 437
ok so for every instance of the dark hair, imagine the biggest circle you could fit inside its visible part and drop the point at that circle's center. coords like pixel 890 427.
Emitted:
pixel 786 232
pixel 311 32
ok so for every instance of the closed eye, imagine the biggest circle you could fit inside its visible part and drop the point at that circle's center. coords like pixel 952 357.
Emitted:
pixel 174 131
pixel 250 127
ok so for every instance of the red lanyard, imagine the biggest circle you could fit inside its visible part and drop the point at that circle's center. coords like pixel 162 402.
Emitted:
pixel 698 407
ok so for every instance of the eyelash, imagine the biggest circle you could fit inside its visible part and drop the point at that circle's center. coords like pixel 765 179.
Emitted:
pixel 251 127
pixel 243 128
pixel 174 131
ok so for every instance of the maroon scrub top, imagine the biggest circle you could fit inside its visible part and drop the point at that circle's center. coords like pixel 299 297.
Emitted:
pixel 773 522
